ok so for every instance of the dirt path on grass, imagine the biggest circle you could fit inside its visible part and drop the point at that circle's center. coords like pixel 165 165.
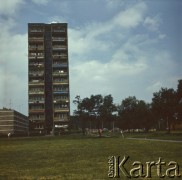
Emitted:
pixel 162 140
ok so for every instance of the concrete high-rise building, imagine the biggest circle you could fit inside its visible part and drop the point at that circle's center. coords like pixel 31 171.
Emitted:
pixel 48 68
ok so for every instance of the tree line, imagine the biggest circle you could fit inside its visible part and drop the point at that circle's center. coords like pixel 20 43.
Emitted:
pixel 98 112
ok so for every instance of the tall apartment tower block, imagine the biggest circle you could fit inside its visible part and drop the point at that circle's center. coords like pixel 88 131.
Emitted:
pixel 48 68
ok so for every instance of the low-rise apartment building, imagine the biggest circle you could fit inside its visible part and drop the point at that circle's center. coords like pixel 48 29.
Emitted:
pixel 13 122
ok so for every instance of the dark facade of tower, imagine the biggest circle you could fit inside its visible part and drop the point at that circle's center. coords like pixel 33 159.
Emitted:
pixel 49 99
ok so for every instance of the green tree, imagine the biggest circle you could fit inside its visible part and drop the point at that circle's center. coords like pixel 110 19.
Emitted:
pixel 107 109
pixel 88 105
pixel 97 101
pixel 126 112
pixel 135 114
pixel 87 108
pixel 143 116
pixel 97 108
pixel 77 101
pixel 179 100
pixel 164 105
pixel 79 112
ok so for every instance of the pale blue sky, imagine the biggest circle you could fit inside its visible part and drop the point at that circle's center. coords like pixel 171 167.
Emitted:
pixel 118 47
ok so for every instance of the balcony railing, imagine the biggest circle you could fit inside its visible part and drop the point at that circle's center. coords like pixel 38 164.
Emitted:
pixel 60 92
pixel 36 74
pixel 36 92
pixel 39 128
pixel 58 56
pixel 32 101
pixel 36 30
pixel 36 81
pixel 59 30
pixel 36 56
pixel 57 65
pixel 59 119
pixel 36 48
pixel 31 58
pixel 60 73
pixel 35 64
pixel 60 82
pixel 40 83
pixel 61 110
pixel 58 39
pixel 36 38
pixel 59 48
pixel 61 101
pixel 37 119
pixel 40 57
pixel 36 110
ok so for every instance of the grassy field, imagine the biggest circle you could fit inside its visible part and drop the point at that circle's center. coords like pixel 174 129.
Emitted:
pixel 177 136
pixel 78 156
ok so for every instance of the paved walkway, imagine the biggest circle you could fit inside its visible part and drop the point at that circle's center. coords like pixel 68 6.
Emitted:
pixel 162 140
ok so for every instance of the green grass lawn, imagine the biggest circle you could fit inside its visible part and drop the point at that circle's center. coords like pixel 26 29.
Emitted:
pixel 78 156
pixel 156 135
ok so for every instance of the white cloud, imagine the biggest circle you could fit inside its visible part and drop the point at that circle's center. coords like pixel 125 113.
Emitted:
pixel 134 65
pixel 152 24
pixel 64 6
pixel 154 87
pixel 162 36
pixel 13 69
pixel 83 41
pixel 41 2
pixel 94 77
pixel 131 17
pixel 153 33
pixel 110 4
pixel 121 80
pixel 13 59
pixel 57 19
pixel 96 69
pixel 88 38
pixel 6 26
pixel 9 7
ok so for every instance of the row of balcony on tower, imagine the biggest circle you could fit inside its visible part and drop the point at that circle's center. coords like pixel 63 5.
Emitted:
pixel 49 99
